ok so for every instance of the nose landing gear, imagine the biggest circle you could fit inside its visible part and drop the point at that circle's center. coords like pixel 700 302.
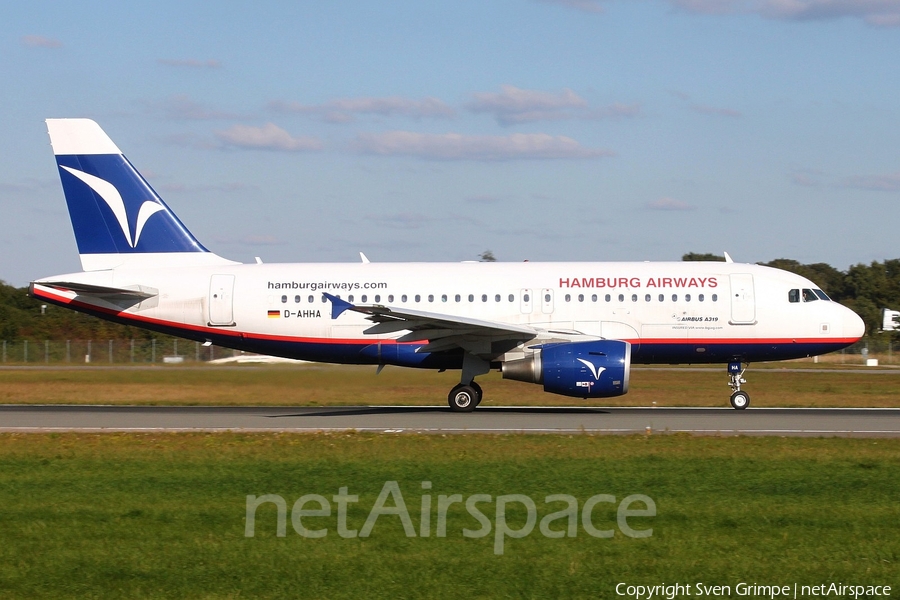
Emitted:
pixel 739 399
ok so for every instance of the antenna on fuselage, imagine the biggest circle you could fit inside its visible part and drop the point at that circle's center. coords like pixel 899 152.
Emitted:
pixel 728 257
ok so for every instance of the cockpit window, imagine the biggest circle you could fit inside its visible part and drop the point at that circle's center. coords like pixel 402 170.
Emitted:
pixel 794 295
pixel 809 296
pixel 822 295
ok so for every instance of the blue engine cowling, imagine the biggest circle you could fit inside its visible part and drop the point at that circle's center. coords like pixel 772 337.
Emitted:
pixel 597 369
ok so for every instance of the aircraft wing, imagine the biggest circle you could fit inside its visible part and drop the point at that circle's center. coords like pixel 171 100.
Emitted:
pixel 442 332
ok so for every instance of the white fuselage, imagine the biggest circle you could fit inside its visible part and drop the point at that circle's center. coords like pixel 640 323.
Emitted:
pixel 671 312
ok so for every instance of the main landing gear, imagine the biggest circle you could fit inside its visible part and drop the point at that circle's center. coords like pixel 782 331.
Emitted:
pixel 467 394
pixel 464 398
pixel 739 400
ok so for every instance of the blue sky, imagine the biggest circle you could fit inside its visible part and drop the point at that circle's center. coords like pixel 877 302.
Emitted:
pixel 431 131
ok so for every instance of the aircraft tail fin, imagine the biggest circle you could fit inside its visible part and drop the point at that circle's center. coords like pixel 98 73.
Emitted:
pixel 118 219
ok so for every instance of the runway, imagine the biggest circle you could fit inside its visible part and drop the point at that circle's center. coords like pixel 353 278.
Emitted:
pixel 436 419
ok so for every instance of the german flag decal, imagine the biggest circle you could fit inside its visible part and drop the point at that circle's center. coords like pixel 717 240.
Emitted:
pixel 274 314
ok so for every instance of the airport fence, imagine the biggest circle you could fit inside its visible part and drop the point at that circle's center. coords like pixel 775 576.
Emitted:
pixel 99 352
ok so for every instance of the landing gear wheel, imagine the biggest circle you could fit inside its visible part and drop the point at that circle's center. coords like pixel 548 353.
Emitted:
pixel 740 400
pixel 478 391
pixel 463 398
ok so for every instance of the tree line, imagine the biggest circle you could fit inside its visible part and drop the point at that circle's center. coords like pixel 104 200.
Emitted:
pixel 864 288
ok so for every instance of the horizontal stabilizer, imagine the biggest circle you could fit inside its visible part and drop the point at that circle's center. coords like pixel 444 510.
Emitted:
pixel 84 289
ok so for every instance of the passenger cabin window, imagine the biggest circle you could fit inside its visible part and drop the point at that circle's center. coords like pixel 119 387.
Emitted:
pixel 794 295
pixel 311 299
pixel 512 298
pixel 403 298
pixel 497 298
pixel 364 298
pixel 568 297
pixel 471 297
pixel 457 298
pixel 284 299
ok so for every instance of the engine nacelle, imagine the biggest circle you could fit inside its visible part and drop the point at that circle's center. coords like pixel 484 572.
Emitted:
pixel 597 369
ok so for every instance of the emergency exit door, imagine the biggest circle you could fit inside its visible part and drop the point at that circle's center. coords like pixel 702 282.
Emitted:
pixel 743 300
pixel 221 300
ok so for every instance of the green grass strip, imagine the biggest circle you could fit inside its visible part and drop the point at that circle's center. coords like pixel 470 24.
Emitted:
pixel 162 516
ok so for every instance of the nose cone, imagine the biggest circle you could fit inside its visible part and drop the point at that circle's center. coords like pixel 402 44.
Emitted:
pixel 853 326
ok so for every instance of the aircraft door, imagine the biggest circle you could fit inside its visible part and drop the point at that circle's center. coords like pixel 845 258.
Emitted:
pixel 221 300
pixel 526 302
pixel 743 301
pixel 547 301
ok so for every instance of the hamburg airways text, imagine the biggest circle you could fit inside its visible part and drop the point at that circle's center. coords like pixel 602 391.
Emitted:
pixel 325 285
pixel 637 282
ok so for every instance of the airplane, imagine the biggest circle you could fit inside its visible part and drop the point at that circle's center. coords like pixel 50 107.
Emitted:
pixel 573 327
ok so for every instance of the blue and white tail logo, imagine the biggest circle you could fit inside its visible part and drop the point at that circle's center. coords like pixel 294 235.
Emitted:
pixel 114 211
pixel 113 199
pixel 119 221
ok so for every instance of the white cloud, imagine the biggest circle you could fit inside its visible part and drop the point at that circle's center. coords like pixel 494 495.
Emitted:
pixel 807 177
pixel 183 107
pixel 589 6
pixel 405 220
pixel 182 188
pixel 190 62
pixel 39 41
pixel 455 146
pixel 485 200
pixel 516 105
pixel 666 203
pixel 343 110
pixel 879 13
pixel 715 110
pixel 251 240
pixel 879 183
pixel 267 137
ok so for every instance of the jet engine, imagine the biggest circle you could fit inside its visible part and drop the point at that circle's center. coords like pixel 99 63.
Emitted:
pixel 595 369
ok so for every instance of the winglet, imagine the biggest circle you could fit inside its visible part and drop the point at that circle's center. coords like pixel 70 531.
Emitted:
pixel 338 306
pixel 728 258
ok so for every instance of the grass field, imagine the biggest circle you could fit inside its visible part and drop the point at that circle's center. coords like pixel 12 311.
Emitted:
pixel 162 516
pixel 769 385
